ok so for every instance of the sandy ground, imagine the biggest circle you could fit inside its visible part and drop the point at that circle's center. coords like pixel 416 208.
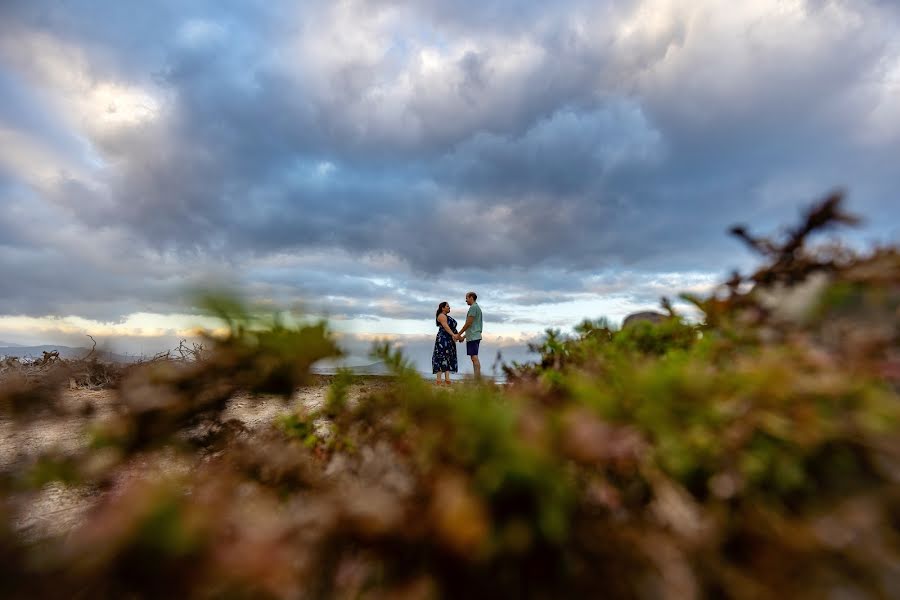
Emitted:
pixel 57 508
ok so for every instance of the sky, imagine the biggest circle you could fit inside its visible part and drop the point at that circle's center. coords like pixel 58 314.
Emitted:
pixel 365 160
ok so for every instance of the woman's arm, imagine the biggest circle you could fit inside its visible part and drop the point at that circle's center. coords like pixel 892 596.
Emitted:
pixel 442 319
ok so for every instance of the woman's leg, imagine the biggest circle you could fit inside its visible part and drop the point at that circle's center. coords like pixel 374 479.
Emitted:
pixel 447 377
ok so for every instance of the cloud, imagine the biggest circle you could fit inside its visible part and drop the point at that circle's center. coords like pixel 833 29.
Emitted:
pixel 370 159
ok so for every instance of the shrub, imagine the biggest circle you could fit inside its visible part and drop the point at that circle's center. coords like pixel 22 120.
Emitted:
pixel 751 455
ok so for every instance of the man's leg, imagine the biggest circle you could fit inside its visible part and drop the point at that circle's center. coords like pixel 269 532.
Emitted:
pixel 472 350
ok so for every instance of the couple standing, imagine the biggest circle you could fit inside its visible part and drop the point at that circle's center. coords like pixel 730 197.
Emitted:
pixel 443 359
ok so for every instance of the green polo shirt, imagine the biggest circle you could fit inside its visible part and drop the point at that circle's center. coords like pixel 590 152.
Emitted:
pixel 474 331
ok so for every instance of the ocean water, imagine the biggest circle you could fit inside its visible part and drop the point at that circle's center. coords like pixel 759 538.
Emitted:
pixel 378 368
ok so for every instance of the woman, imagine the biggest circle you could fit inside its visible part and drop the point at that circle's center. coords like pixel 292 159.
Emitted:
pixel 443 359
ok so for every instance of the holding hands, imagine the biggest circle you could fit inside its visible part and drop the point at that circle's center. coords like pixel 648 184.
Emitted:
pixel 449 326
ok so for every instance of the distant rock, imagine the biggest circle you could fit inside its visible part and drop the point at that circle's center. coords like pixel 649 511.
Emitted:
pixel 648 315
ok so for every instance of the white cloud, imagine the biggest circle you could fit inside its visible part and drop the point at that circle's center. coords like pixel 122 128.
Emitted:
pixel 368 158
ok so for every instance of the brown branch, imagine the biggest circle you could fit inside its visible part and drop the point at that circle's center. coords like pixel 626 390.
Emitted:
pixel 94 347
pixel 667 306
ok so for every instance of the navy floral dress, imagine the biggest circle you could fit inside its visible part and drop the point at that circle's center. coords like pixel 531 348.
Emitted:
pixel 444 356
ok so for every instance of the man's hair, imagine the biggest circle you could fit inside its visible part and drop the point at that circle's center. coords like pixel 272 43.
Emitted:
pixel 474 295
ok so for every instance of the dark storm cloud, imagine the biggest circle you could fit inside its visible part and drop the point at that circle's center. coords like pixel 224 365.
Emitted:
pixel 519 147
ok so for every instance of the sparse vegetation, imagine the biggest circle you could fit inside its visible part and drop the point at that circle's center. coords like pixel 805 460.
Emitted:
pixel 751 455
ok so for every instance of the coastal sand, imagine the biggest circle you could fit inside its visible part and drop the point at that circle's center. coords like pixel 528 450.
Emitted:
pixel 58 508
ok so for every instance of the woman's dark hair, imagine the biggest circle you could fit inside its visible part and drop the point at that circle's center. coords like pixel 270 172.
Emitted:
pixel 440 309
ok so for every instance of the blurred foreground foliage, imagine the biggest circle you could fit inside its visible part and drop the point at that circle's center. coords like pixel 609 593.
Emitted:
pixel 755 453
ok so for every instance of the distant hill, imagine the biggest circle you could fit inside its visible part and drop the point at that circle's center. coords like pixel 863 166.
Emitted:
pixel 9 345
pixel 64 352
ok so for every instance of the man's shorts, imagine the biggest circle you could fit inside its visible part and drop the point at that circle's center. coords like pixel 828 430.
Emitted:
pixel 472 347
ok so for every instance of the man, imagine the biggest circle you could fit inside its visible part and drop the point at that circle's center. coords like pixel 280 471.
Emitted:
pixel 473 326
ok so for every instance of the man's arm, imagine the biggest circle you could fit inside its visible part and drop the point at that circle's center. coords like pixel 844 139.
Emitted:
pixel 469 321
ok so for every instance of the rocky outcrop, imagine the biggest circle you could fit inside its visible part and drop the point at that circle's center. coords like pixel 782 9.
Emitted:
pixel 647 315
